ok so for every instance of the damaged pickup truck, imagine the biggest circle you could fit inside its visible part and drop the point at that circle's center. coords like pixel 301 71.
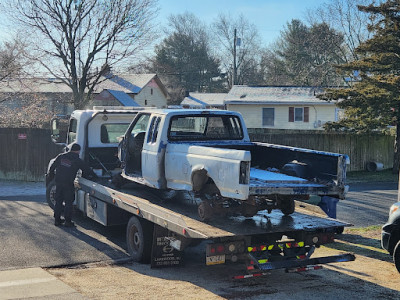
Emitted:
pixel 209 153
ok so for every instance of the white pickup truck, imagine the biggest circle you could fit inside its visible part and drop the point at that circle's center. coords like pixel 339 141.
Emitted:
pixel 209 152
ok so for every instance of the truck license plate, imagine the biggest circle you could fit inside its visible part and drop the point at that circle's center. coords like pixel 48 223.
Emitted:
pixel 215 260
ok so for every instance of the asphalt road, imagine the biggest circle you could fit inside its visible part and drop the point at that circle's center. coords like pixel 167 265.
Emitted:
pixel 367 204
pixel 29 238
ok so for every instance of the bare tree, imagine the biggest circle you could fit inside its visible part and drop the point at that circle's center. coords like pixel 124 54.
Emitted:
pixel 345 17
pixel 12 60
pixel 77 41
pixel 237 52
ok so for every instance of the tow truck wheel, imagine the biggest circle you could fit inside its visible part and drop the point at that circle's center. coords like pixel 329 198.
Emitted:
pixel 396 256
pixel 205 211
pixel 51 194
pixel 288 206
pixel 139 239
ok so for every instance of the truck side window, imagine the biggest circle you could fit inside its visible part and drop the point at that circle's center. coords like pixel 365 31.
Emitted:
pixel 141 124
pixel 153 131
pixel 156 128
pixel 150 136
pixel 73 125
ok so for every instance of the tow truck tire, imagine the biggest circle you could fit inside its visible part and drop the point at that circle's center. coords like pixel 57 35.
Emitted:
pixel 339 230
pixel 139 239
pixel 51 194
pixel 287 206
pixel 396 256
pixel 205 211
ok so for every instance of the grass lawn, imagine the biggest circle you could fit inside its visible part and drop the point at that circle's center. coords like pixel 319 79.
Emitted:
pixel 365 176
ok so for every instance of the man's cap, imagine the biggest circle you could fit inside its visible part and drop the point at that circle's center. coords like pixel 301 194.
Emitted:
pixel 75 147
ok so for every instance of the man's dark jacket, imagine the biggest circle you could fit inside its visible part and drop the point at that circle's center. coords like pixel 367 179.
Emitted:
pixel 66 166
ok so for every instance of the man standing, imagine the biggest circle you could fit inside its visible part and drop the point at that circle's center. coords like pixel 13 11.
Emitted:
pixel 66 166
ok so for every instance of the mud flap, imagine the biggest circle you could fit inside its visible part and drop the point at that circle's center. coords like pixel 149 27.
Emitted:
pixel 162 253
pixel 328 205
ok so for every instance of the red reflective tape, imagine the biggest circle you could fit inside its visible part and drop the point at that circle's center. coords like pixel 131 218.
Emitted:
pixel 302 269
pixel 250 275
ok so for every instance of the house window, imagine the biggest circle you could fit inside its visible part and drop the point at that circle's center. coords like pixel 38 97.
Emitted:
pixel 268 116
pixel 145 102
pixel 299 114
pixel 151 91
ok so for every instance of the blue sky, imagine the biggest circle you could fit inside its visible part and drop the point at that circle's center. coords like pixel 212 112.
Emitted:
pixel 269 16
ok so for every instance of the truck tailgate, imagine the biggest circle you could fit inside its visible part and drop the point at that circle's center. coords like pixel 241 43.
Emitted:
pixel 266 183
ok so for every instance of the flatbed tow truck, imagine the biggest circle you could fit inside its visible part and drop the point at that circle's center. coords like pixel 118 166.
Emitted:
pixel 265 242
pixel 160 227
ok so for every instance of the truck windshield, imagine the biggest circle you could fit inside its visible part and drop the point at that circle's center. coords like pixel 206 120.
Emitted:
pixel 205 127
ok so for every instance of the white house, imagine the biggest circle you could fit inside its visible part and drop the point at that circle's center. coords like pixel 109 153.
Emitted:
pixel 281 107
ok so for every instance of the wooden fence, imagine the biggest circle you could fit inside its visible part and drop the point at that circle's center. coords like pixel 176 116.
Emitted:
pixel 361 148
pixel 25 153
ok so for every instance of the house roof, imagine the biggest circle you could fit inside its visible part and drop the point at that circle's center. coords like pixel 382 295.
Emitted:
pixel 34 85
pixel 241 94
pixel 127 83
pixel 204 99
pixel 123 98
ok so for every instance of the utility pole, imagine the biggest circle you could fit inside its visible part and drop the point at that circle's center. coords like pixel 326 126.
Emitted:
pixel 234 59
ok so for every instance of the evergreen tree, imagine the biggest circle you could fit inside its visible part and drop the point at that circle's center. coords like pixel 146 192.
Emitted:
pixel 185 60
pixel 304 56
pixel 373 100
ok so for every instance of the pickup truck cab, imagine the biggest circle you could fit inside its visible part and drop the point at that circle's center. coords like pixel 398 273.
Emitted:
pixel 209 153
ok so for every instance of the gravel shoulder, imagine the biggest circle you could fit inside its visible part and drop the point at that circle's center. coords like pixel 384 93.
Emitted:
pixel 371 276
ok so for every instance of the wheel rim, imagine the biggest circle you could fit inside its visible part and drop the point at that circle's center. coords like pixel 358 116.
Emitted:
pixel 135 240
pixel 53 195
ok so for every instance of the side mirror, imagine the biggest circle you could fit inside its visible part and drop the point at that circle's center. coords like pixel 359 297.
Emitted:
pixel 57 135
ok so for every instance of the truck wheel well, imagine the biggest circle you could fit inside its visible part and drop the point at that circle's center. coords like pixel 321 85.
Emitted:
pixel 199 179
pixel 201 182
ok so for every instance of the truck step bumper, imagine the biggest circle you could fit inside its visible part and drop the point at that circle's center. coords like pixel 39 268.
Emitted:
pixel 289 264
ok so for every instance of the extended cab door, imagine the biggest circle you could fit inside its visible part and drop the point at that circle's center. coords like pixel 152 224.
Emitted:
pixel 130 149
pixel 153 154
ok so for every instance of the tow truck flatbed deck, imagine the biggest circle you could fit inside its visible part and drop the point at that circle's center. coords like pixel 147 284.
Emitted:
pixel 183 218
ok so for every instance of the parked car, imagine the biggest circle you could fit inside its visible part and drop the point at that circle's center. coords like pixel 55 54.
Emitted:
pixel 390 239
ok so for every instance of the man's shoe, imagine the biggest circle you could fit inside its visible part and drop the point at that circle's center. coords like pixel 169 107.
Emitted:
pixel 59 222
pixel 69 224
